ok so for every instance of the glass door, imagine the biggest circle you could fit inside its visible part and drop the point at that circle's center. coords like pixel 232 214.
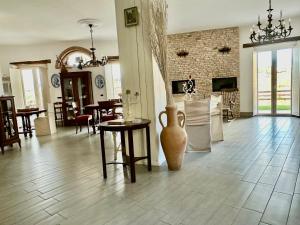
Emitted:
pixel 274 88
pixel 264 82
pixel 284 81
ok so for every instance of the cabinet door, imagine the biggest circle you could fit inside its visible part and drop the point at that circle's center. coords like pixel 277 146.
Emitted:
pixel 8 118
pixel 69 97
pixel 83 92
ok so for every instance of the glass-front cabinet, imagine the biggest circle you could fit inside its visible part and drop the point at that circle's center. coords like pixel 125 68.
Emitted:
pixel 8 123
pixel 77 92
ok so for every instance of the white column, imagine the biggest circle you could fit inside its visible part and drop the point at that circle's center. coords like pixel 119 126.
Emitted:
pixel 1 84
pixel 139 74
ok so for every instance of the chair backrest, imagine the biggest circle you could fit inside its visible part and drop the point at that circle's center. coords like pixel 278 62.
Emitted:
pixel 75 109
pixel 116 100
pixel 197 112
pixel 106 105
pixel 215 101
pixel 229 96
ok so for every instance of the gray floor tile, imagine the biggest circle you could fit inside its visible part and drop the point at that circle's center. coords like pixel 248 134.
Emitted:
pixel 277 210
pixel 247 217
pixel 259 198
pixel 294 216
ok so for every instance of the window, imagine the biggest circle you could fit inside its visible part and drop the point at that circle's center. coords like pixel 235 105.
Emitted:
pixel 32 87
pixel 6 85
pixel 73 59
pixel 28 88
pixel 70 57
pixel 116 80
pixel 113 80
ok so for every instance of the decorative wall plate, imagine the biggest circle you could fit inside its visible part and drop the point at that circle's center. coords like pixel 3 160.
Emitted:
pixel 100 81
pixel 55 80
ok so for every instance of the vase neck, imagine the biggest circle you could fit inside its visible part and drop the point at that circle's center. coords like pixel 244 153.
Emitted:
pixel 172 118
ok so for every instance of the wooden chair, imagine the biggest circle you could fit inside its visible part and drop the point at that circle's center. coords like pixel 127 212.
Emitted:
pixel 81 119
pixel 229 102
pixel 198 125
pixel 107 111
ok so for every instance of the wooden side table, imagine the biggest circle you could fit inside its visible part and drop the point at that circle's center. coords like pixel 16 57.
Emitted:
pixel 129 127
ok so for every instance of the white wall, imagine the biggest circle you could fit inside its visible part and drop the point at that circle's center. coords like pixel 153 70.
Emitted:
pixel 50 51
pixel 246 66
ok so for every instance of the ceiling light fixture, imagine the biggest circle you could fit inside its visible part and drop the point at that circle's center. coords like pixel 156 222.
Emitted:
pixel 270 32
pixel 94 62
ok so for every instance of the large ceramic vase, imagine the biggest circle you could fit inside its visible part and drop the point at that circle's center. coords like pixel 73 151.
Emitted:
pixel 173 137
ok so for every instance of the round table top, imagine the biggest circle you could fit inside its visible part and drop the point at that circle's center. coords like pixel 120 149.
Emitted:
pixel 32 112
pixel 96 106
pixel 120 124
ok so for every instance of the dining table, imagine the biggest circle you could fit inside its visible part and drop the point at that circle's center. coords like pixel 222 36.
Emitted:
pixel 25 115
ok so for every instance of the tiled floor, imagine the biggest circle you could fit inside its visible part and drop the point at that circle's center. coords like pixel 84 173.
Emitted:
pixel 250 178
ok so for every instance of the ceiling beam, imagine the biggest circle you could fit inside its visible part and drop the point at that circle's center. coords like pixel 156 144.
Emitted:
pixel 46 61
pixel 289 39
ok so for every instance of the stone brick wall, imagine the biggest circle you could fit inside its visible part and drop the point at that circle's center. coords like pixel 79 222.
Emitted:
pixel 204 61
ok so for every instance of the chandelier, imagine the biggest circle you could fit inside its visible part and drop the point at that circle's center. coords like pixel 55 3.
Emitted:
pixel 270 32
pixel 94 61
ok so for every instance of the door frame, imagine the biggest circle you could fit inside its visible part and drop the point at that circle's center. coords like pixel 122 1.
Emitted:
pixel 273 85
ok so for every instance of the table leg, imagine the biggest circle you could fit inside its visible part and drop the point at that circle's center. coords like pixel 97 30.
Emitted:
pixel 29 126
pixel 24 126
pixel 148 148
pixel 103 153
pixel 131 156
pixel 123 146
pixel 93 122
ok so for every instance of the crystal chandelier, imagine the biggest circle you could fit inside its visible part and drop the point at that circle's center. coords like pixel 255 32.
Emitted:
pixel 270 32
pixel 94 62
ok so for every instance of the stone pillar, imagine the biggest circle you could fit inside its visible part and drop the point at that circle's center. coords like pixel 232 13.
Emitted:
pixel 140 74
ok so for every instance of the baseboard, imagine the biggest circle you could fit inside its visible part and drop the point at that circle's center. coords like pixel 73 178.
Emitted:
pixel 246 114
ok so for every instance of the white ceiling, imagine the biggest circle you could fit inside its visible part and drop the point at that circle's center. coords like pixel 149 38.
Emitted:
pixel 40 21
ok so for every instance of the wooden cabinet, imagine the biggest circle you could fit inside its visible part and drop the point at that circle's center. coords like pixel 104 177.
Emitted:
pixel 8 123
pixel 77 92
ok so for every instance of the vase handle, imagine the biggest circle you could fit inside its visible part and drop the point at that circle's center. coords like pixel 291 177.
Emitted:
pixel 181 122
pixel 159 117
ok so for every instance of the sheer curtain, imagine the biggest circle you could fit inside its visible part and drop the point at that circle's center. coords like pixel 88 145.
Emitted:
pixel 44 85
pixel 296 80
pixel 17 87
pixel 255 83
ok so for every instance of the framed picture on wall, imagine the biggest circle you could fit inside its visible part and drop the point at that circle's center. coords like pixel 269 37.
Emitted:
pixel 131 16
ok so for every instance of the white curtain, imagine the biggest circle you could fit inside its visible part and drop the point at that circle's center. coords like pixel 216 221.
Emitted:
pixel 44 84
pixel 17 87
pixel 296 80
pixel 255 83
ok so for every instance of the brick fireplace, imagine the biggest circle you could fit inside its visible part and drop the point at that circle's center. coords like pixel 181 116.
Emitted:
pixel 204 58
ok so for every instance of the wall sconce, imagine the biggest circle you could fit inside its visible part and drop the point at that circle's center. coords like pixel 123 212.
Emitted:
pixel 182 53
pixel 224 50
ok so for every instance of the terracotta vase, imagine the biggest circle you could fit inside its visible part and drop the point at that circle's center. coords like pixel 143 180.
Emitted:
pixel 173 137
